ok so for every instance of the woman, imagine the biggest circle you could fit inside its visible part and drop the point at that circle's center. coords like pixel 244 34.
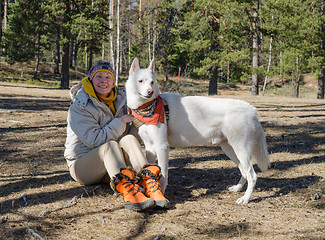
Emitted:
pixel 99 142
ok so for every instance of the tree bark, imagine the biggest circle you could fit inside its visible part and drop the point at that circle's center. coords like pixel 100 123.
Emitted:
pixel 66 48
pixel 255 50
pixel 36 65
pixel 111 32
pixel 117 42
pixel 37 56
pixel 57 53
pixel 75 55
pixel 103 47
pixel 65 66
pixel 268 66
pixel 213 84
pixel 5 13
pixel 86 57
pixel 321 73
pixel 0 23
pixel 72 45
pixel 149 43
pixel 91 56
pixel 321 83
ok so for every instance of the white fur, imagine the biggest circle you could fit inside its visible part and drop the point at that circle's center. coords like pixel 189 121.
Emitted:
pixel 194 121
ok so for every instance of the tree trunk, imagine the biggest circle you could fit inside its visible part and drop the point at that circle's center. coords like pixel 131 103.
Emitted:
pixel 72 45
pixel 91 55
pixel 3 21
pixel 297 82
pixel 65 67
pixel 321 83
pixel 281 70
pixel 255 50
pixel 129 57
pixel 0 24
pixel 103 47
pixel 268 66
pixel 111 32
pixel 121 58
pixel 37 57
pixel 213 84
pixel 5 15
pixel 321 73
pixel 228 72
pixel 75 55
pixel 66 47
pixel 86 57
pixel 154 42
pixel 36 65
pixel 140 10
pixel 149 43
pixel 57 53
pixel 117 42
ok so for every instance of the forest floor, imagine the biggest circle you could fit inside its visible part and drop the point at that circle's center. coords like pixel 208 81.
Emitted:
pixel 39 200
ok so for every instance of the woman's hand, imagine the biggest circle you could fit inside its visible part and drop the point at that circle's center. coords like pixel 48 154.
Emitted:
pixel 127 118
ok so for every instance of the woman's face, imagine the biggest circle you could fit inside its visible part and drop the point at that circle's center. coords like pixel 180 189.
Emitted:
pixel 103 83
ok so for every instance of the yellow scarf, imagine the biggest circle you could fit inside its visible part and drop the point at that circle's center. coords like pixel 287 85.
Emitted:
pixel 109 101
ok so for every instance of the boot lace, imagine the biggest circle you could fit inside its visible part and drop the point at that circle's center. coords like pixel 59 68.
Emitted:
pixel 152 184
pixel 132 186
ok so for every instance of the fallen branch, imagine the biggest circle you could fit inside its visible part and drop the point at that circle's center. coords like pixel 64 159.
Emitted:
pixel 67 204
pixel 100 219
pixel 158 237
pixel 25 199
pixel 35 234
pixel 11 121
pixel 13 110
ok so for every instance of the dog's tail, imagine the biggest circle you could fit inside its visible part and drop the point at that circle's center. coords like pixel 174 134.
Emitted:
pixel 260 150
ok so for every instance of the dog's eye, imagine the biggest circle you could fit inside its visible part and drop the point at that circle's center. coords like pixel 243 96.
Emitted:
pixel 140 81
pixel 151 82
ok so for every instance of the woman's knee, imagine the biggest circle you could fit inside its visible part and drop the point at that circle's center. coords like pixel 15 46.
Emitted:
pixel 129 140
pixel 109 146
pixel 80 177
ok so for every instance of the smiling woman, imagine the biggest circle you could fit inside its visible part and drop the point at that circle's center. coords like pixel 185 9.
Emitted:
pixel 101 144
pixel 103 83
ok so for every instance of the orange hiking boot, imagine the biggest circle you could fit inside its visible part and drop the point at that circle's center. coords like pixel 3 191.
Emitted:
pixel 150 176
pixel 125 183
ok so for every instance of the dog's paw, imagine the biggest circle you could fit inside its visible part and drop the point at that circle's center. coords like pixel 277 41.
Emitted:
pixel 235 188
pixel 242 200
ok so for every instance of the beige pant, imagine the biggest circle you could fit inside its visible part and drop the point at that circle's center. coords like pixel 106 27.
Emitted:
pixel 108 158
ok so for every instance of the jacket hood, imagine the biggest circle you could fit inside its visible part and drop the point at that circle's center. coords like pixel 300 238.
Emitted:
pixel 74 90
pixel 78 93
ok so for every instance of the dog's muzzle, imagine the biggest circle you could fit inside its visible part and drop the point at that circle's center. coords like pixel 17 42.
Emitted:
pixel 149 95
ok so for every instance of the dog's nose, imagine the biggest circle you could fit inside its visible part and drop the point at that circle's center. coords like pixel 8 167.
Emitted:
pixel 150 91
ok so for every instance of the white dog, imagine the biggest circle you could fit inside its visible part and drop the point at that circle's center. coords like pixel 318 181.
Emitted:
pixel 194 121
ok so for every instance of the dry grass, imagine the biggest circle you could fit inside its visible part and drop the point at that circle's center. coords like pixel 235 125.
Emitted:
pixel 288 202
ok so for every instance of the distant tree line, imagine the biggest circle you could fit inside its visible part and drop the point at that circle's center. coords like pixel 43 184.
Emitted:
pixel 216 40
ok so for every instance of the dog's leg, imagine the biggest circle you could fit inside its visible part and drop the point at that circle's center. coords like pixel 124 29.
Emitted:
pixel 251 182
pixel 239 185
pixel 229 151
pixel 150 155
pixel 162 155
pixel 247 171
pixel 244 162
pixel 144 133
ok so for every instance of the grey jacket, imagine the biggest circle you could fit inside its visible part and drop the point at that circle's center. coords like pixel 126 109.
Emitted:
pixel 91 123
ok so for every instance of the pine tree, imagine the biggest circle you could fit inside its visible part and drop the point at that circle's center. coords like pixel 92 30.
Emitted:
pixel 26 37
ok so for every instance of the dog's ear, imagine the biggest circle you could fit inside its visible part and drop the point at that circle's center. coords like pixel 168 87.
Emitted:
pixel 134 66
pixel 152 65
